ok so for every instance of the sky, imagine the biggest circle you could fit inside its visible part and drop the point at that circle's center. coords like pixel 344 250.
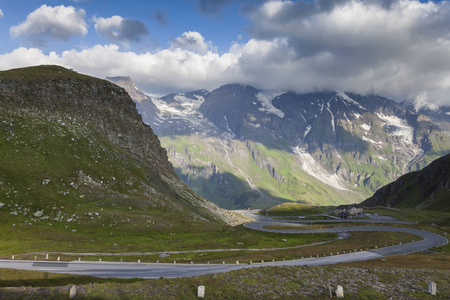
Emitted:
pixel 395 48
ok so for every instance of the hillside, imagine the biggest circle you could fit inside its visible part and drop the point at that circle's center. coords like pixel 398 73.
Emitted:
pixel 241 147
pixel 426 189
pixel 75 154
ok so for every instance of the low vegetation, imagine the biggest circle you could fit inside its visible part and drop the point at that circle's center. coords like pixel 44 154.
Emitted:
pixel 262 283
pixel 294 209
pixel 414 215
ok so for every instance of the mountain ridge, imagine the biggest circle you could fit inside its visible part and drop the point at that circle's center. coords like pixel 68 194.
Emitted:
pixel 341 147
pixel 428 188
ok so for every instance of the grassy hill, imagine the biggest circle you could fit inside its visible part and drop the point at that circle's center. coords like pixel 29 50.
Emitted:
pixel 79 169
pixel 426 189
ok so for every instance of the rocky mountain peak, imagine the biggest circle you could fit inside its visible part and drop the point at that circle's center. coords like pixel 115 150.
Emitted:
pixel 291 143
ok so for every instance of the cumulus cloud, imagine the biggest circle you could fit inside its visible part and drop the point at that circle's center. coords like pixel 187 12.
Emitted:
pixel 58 23
pixel 399 49
pixel 192 40
pixel 121 30
pixel 165 71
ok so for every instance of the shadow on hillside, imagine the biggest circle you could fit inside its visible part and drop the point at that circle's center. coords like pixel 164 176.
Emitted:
pixel 230 192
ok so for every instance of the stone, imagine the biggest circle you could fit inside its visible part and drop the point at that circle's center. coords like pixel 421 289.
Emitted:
pixel 2 204
pixel 39 213
pixel 432 288
pixel 339 292
pixel 201 291
pixel 72 292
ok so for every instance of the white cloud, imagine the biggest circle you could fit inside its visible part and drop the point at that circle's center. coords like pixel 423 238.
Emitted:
pixel 1 13
pixel 421 101
pixel 59 23
pixel 400 49
pixel 192 40
pixel 165 71
pixel 121 30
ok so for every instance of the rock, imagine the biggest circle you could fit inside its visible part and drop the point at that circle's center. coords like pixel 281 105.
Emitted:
pixel 39 213
pixel 432 288
pixel 201 291
pixel 339 292
pixel 72 292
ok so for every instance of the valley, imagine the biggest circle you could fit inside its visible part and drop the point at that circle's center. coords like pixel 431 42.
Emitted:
pixel 320 148
pixel 79 184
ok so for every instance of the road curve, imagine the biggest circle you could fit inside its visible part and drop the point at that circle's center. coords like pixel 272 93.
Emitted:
pixel 154 270
pixel 429 239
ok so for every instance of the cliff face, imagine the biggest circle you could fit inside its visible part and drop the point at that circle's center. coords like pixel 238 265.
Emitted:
pixel 425 189
pixel 106 107
pixel 87 138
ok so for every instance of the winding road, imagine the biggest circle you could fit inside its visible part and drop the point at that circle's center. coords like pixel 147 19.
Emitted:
pixel 158 270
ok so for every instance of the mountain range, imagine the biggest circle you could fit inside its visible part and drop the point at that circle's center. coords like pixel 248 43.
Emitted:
pixel 243 147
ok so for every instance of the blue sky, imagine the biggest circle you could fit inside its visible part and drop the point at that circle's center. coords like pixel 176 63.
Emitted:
pixel 396 48
pixel 164 20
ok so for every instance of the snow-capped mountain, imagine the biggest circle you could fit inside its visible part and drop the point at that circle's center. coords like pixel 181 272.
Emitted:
pixel 439 115
pixel 242 147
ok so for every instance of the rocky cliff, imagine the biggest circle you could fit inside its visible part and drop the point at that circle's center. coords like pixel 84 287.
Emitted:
pixel 68 140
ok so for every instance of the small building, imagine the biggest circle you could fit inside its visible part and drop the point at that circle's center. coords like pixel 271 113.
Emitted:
pixel 344 211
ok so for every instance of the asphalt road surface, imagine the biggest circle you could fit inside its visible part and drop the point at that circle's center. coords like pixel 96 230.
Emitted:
pixel 154 270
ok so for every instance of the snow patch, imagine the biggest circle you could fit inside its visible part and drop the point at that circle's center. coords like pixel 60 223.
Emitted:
pixel 350 100
pixel 188 112
pixel 314 169
pixel 403 129
pixel 308 129
pixel 266 102
pixel 347 119
pixel 366 127
pixel 332 117
pixel 448 113
pixel 228 127
pixel 371 141
pixel 357 116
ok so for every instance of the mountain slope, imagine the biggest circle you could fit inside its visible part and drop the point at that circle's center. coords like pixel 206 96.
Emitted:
pixel 242 147
pixel 72 144
pixel 428 188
